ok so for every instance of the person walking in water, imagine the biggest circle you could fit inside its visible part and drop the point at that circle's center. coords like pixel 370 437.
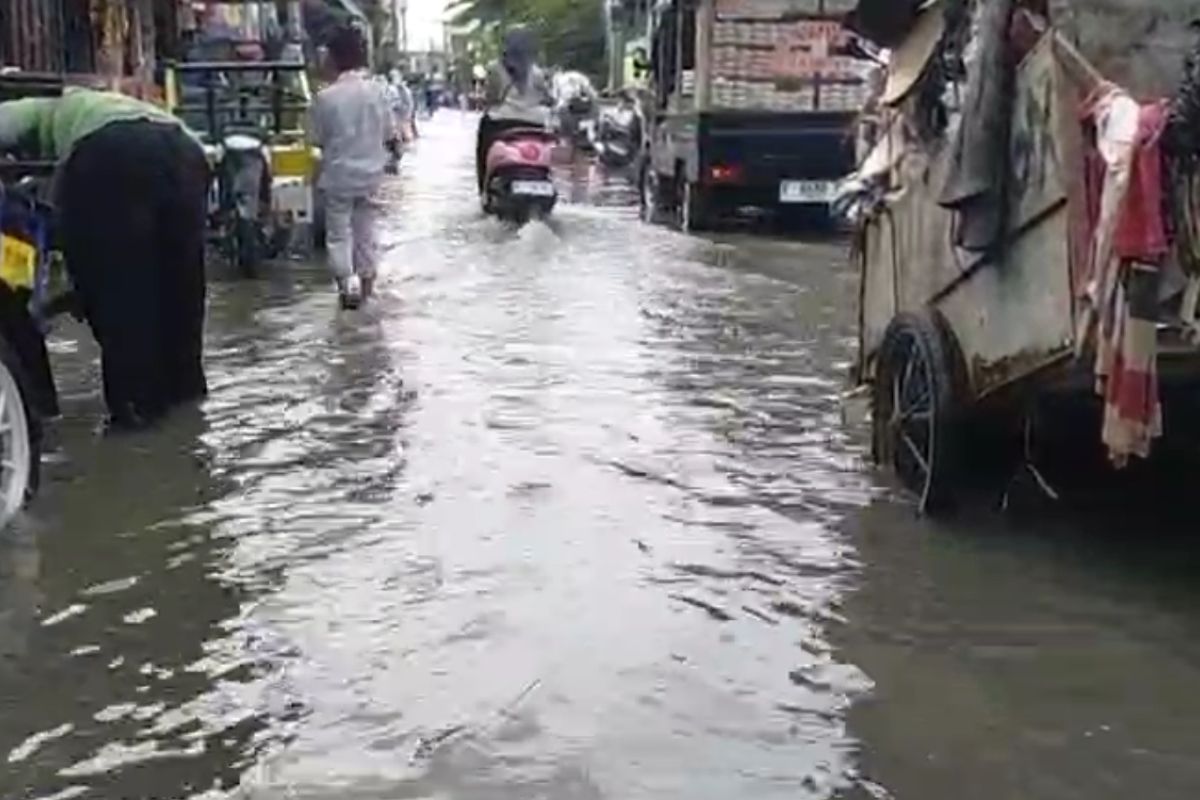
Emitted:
pixel 131 189
pixel 516 94
pixel 353 124
pixel 403 106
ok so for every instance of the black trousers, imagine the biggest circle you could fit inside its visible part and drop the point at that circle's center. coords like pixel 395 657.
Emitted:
pixel 489 129
pixel 133 198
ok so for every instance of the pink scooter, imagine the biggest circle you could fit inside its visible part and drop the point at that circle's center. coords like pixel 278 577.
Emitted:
pixel 518 186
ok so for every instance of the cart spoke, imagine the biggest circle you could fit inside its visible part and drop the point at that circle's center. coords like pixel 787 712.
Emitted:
pixel 894 411
pixel 906 378
pixel 922 462
pixel 923 396
pixel 916 383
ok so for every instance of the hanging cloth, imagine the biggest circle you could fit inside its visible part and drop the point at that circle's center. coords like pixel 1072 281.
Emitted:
pixel 1129 243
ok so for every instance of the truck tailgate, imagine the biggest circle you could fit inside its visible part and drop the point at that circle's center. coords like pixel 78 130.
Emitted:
pixel 773 146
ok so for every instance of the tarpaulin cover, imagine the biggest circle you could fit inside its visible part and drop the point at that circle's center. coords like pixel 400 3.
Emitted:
pixel 884 22
pixel 1138 44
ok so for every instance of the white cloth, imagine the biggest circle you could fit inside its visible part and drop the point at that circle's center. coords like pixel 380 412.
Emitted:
pixel 352 123
pixel 1117 118
pixel 351 234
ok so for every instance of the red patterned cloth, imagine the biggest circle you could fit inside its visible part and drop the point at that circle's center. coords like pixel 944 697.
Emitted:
pixel 1141 229
pixel 1129 244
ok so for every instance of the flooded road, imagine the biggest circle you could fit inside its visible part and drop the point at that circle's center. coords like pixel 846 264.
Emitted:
pixel 569 512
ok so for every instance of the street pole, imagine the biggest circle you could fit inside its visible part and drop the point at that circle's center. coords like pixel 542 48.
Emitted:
pixel 395 34
pixel 403 6
pixel 615 27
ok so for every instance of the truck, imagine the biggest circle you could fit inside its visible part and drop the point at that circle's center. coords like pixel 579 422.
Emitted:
pixel 751 104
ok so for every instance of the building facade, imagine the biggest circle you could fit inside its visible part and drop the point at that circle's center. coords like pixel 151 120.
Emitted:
pixel 111 42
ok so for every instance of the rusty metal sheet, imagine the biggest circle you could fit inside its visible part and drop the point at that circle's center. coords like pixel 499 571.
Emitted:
pixel 31 34
pixel 1038 182
pixel 1010 318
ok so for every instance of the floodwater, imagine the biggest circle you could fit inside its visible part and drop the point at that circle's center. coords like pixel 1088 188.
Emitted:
pixel 568 513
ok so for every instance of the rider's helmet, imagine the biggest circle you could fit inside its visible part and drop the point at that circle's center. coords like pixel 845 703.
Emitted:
pixel 519 54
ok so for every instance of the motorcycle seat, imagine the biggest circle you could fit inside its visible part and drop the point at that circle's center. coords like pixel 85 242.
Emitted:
pixel 525 133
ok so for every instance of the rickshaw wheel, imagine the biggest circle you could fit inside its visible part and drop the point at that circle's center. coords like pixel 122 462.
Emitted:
pixel 915 409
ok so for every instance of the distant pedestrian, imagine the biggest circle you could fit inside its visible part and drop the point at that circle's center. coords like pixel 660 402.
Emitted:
pixel 352 123
pixel 403 106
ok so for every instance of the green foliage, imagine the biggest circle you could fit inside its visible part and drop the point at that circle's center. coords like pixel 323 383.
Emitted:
pixel 571 32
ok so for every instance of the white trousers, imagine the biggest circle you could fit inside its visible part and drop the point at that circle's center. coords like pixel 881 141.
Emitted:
pixel 351 235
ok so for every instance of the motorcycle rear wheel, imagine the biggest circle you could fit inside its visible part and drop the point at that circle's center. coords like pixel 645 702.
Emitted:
pixel 247 247
pixel 20 440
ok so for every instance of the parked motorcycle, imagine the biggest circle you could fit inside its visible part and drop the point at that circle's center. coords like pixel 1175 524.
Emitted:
pixel 251 116
pixel 578 123
pixel 618 138
pixel 518 185
pixel 27 391
pixel 241 203
pixel 575 102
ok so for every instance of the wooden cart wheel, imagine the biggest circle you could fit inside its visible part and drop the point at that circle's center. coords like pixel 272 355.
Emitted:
pixel 916 405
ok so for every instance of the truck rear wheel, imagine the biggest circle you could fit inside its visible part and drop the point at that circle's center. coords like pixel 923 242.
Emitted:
pixel 692 207
pixel 915 408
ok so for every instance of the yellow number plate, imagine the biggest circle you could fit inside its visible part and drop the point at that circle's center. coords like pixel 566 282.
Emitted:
pixel 18 262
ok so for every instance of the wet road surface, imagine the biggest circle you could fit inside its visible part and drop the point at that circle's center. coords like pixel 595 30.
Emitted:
pixel 569 512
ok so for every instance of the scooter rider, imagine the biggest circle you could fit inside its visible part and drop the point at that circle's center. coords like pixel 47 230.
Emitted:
pixel 131 189
pixel 516 95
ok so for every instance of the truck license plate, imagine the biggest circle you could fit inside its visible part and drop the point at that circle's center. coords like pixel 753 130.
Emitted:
pixel 805 191
pixel 18 262
pixel 533 188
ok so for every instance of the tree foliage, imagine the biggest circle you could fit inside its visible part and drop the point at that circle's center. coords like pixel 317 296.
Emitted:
pixel 571 32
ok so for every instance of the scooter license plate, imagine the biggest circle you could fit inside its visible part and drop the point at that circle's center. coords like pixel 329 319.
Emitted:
pixel 18 262
pixel 533 188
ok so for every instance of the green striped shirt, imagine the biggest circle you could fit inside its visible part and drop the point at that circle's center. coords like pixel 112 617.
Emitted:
pixel 56 125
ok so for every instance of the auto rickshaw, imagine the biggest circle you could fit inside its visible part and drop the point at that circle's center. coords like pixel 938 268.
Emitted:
pixel 243 87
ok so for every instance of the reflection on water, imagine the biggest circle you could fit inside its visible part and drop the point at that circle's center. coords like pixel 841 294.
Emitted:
pixel 569 513
pixel 1048 661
